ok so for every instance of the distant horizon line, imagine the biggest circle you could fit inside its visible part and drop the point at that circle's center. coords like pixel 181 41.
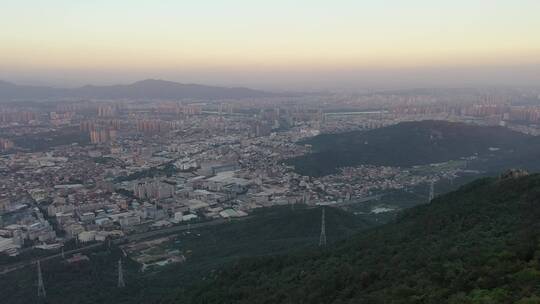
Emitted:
pixel 127 83
pixel 163 80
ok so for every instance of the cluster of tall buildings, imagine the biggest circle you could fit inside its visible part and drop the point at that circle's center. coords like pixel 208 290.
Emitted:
pixel 154 126
pixel 498 111
pixel 153 189
pixel 61 118
pixel 101 136
pixel 17 116
pixel 482 110
pixel 528 114
pixel 74 107
pixel 101 131
pixel 89 125
pixel 179 108
pixel 225 108
pixel 107 110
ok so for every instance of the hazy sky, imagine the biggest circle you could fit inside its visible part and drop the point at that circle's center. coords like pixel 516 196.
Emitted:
pixel 287 43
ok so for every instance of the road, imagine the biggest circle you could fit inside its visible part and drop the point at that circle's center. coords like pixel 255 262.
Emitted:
pixel 19 265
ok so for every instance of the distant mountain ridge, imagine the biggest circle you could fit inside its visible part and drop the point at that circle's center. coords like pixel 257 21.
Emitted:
pixel 149 88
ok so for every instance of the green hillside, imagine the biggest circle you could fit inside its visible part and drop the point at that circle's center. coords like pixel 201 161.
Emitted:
pixel 479 244
pixel 418 143
pixel 268 231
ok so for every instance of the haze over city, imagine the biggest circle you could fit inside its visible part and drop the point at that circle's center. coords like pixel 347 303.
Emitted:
pixel 281 45
pixel 285 151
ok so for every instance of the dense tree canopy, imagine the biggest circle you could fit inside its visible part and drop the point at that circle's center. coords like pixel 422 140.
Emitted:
pixel 476 245
pixel 419 143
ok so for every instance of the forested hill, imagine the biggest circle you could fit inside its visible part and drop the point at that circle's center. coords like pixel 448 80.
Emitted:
pixel 268 231
pixel 414 143
pixel 478 244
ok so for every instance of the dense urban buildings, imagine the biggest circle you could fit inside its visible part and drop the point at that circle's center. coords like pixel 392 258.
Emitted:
pixel 102 169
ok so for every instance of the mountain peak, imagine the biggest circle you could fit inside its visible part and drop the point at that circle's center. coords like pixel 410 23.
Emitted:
pixel 152 81
pixel 144 89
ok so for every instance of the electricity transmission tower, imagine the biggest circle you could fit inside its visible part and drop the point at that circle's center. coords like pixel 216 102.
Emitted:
pixel 305 199
pixel 322 239
pixel 41 288
pixel 431 191
pixel 121 283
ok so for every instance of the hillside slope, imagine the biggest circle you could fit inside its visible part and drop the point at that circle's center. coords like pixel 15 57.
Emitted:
pixel 476 245
pixel 268 231
pixel 413 143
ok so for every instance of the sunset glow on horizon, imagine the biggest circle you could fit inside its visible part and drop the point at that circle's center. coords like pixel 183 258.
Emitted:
pixel 275 35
